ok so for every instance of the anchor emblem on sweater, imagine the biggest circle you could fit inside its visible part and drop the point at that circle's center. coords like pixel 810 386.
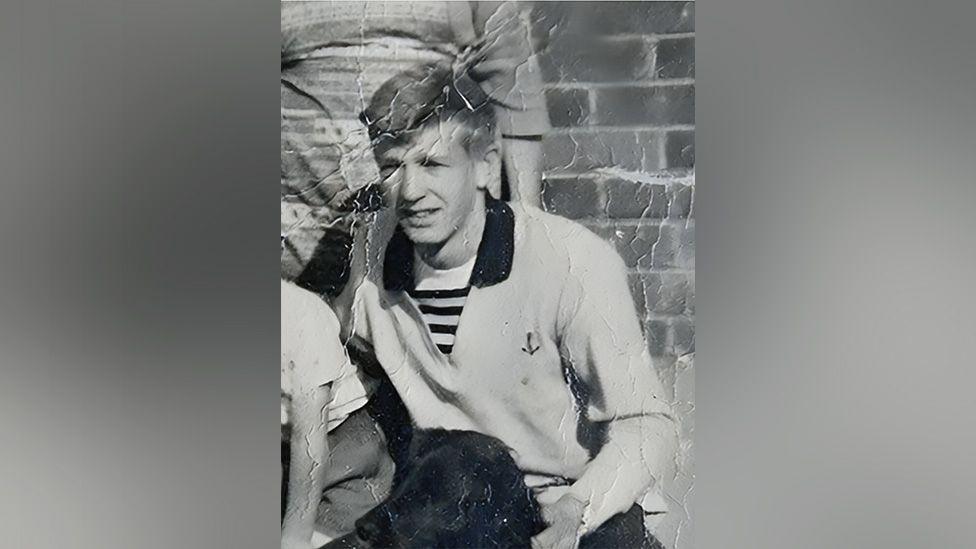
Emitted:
pixel 529 347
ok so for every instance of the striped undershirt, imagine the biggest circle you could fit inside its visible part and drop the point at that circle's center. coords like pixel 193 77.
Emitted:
pixel 442 311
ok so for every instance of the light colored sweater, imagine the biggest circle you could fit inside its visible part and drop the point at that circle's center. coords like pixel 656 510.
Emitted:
pixel 548 343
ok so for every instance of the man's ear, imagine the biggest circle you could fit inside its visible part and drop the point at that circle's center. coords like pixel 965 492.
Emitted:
pixel 490 166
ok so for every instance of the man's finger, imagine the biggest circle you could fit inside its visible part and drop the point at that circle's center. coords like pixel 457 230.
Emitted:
pixel 544 540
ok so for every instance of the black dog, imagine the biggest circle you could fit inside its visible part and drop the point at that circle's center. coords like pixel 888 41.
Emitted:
pixel 456 489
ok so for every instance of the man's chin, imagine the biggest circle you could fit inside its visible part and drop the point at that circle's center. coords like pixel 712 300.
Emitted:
pixel 421 235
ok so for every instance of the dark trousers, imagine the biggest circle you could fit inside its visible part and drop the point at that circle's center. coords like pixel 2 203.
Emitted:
pixel 622 531
pixel 359 474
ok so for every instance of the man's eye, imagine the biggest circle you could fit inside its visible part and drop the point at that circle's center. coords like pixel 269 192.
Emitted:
pixel 431 163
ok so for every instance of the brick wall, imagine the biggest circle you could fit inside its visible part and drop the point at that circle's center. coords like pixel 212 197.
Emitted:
pixel 621 94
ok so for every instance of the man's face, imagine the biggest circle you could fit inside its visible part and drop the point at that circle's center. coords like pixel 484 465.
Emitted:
pixel 433 180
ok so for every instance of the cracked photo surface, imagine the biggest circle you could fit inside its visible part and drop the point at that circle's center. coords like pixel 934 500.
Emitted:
pixel 487 274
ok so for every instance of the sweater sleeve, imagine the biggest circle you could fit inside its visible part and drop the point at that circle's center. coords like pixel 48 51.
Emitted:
pixel 602 338
pixel 603 343
pixel 508 68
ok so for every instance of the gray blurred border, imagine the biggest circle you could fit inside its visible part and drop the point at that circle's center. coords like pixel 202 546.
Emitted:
pixel 139 321
pixel 836 171
pixel 139 316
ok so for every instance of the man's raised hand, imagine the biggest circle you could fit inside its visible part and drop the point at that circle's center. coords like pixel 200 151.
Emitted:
pixel 564 520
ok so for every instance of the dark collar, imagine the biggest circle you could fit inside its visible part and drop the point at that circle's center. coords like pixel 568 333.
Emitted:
pixel 493 264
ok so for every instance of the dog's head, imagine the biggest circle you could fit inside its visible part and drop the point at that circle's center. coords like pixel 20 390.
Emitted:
pixel 462 489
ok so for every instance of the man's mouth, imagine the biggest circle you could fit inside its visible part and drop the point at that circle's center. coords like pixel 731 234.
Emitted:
pixel 418 214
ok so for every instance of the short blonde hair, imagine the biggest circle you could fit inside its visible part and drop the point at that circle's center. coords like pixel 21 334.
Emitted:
pixel 428 93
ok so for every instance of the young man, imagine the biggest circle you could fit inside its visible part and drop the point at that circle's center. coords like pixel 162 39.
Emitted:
pixel 508 321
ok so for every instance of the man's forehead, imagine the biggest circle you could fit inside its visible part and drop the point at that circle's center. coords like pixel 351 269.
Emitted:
pixel 435 138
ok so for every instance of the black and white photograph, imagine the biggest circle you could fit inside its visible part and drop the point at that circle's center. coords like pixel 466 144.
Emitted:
pixel 491 327
pixel 487 274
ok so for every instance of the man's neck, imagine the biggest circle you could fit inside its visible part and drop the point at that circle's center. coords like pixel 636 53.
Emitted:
pixel 460 248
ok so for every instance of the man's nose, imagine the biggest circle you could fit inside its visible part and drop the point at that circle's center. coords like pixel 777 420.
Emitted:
pixel 412 186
